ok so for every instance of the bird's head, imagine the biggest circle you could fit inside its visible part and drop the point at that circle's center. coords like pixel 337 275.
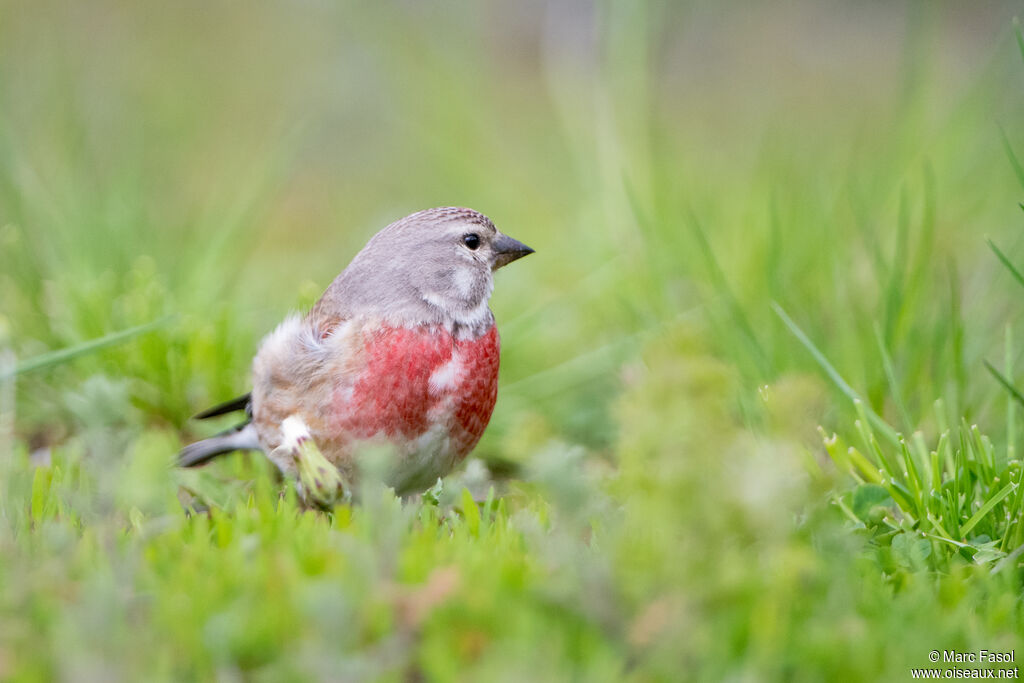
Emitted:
pixel 432 266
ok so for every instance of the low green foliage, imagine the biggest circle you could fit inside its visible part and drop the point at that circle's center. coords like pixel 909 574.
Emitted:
pixel 960 497
pixel 727 274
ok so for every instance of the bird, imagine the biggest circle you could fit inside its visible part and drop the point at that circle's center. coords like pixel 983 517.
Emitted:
pixel 401 351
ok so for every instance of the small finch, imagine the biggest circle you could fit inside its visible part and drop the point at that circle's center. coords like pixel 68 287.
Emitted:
pixel 400 351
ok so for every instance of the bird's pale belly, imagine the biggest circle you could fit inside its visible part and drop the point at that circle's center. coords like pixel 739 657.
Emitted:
pixel 422 391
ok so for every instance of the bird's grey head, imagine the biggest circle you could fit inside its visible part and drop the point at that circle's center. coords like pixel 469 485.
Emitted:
pixel 432 267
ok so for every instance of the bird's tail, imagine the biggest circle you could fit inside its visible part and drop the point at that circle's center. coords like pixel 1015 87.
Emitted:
pixel 240 439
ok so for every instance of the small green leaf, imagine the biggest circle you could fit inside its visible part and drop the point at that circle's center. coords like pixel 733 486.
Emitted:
pixel 871 502
pixel 911 551
pixel 470 512
pixel 987 552
pixel 41 479
pixel 432 496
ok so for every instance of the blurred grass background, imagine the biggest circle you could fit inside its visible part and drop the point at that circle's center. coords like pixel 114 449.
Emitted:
pixel 678 167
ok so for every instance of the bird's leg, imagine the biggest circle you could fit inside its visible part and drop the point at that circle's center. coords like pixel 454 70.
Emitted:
pixel 320 483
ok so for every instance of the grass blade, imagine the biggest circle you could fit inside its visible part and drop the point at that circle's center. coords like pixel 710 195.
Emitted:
pixel 7 365
pixel 890 376
pixel 721 284
pixel 1006 261
pixel 894 294
pixel 1011 408
pixel 987 507
pixel 1014 162
pixel 1006 383
pixel 956 346
pixel 888 432
pixel 59 356
pixel 1020 37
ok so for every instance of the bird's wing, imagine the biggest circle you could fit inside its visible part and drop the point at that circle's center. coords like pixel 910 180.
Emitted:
pixel 300 369
pixel 317 329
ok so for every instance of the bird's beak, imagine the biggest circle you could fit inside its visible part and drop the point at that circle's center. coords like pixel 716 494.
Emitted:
pixel 506 250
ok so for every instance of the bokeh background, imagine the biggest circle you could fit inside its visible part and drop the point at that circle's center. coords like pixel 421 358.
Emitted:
pixel 665 497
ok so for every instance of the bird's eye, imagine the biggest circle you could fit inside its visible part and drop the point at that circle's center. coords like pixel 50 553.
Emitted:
pixel 471 240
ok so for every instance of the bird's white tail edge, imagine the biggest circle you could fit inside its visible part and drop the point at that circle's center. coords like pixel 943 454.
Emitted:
pixel 245 439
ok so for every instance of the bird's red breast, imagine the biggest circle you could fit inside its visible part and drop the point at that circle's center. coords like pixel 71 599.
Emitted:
pixel 417 381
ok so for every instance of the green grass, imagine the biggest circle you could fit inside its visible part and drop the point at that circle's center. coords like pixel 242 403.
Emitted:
pixel 758 382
